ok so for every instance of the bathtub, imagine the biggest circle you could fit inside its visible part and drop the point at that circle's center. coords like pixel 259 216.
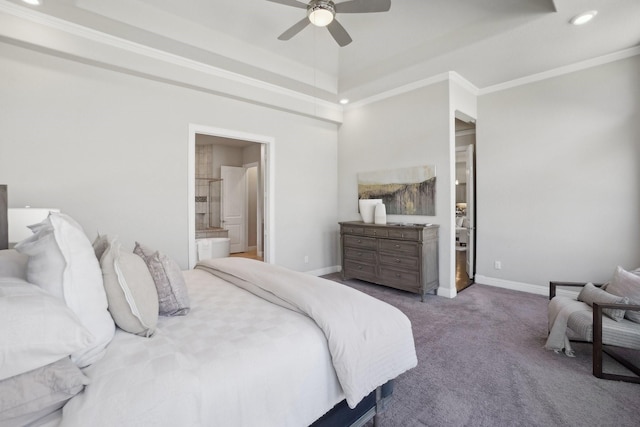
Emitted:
pixel 214 247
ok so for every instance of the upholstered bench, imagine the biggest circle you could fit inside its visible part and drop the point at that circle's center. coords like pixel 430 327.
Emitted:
pixel 590 323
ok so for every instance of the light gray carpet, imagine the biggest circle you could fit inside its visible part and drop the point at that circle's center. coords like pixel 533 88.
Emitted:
pixel 481 362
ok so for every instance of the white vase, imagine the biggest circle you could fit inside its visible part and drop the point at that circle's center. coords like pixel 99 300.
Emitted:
pixel 380 215
pixel 367 209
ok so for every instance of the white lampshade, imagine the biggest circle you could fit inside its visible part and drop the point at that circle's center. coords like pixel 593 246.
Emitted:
pixel 320 17
pixel 20 218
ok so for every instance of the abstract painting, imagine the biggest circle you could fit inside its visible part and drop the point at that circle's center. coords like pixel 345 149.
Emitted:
pixel 409 191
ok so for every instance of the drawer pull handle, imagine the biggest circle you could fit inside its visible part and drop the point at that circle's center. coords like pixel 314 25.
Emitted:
pixel 402 235
pixel 397 246
pixel 359 241
pixel 375 232
pixel 398 261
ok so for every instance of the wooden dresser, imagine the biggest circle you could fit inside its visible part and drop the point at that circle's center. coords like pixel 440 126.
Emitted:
pixel 400 256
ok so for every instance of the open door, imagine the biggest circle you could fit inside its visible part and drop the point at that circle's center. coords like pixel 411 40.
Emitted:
pixel 233 206
pixel 471 211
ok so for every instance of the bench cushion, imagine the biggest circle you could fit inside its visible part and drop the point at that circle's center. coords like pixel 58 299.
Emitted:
pixel 621 334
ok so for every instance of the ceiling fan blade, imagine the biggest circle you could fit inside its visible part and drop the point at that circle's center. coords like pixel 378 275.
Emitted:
pixel 293 3
pixel 295 29
pixel 339 33
pixel 363 6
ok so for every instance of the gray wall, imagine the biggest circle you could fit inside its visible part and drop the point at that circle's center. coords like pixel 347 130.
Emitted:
pixel 111 150
pixel 558 177
pixel 558 163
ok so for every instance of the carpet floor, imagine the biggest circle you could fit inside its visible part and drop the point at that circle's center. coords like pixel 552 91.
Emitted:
pixel 481 362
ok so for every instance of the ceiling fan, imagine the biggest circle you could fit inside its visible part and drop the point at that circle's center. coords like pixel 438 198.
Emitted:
pixel 322 14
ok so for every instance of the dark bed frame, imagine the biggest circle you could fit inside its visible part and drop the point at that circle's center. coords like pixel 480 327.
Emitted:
pixel 369 408
pixel 4 229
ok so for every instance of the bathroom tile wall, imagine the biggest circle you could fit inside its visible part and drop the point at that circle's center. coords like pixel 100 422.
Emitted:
pixel 204 169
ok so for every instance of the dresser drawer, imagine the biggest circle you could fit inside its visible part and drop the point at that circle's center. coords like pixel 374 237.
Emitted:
pixel 361 255
pixel 409 280
pixel 403 233
pixel 376 232
pixel 402 262
pixel 400 247
pixel 360 242
pixel 356 269
pixel 348 229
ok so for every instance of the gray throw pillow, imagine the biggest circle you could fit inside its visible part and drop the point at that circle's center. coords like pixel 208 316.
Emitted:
pixel 100 244
pixel 173 297
pixel 626 284
pixel 35 394
pixel 591 294
pixel 132 296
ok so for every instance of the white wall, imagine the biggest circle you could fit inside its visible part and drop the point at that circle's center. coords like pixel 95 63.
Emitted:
pixel 251 154
pixel 226 156
pixel 111 150
pixel 558 178
pixel 406 130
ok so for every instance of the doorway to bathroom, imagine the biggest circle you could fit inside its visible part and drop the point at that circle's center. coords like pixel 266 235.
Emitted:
pixel 229 199
pixel 465 217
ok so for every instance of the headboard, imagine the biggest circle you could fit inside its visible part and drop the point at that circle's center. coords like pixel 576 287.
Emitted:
pixel 4 229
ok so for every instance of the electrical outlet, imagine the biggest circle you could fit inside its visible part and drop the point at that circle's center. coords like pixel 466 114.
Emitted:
pixel 497 265
pixel 306 259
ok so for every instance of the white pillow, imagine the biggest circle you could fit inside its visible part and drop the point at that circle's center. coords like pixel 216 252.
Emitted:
pixel 62 261
pixel 36 328
pixel 13 264
pixel 45 266
pixel 132 295
pixel 626 284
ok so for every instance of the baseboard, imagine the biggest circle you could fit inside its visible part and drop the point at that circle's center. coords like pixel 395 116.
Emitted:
pixel 510 284
pixel 323 271
pixel 446 292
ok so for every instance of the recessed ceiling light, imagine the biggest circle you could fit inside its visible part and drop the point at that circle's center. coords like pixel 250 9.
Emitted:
pixel 33 2
pixel 344 101
pixel 584 17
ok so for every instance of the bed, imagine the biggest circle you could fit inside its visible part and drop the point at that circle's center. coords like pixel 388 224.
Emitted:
pixel 258 344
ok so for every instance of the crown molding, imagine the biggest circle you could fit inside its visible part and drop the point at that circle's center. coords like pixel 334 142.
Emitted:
pixel 567 69
pixel 443 77
pixel 332 111
pixel 464 83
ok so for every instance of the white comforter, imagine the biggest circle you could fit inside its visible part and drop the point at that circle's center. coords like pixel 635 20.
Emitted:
pixel 370 341
pixel 239 360
pixel 234 360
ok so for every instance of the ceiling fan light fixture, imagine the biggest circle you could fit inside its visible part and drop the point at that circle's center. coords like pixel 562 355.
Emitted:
pixel 584 17
pixel 321 13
